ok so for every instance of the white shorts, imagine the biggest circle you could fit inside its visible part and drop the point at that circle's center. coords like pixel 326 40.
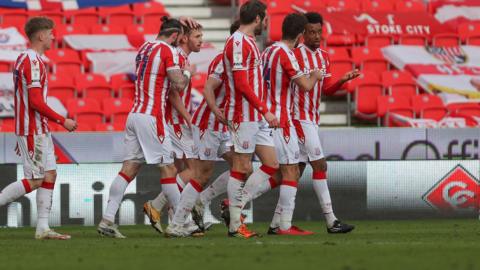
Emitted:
pixel 309 141
pixel 246 135
pixel 211 144
pixel 38 155
pixel 143 143
pixel 182 141
pixel 286 145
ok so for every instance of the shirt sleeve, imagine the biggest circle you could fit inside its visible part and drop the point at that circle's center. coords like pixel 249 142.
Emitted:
pixel 216 70
pixel 171 59
pixel 238 53
pixel 290 65
pixel 33 72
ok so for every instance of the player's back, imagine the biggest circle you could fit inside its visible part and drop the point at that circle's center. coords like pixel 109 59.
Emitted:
pixel 153 61
pixel 29 72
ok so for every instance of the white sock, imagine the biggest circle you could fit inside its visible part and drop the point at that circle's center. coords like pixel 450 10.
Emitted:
pixel 187 201
pixel 265 187
pixel 276 216
pixel 171 191
pixel 181 184
pixel 321 189
pixel 160 201
pixel 14 191
pixel 288 191
pixel 234 190
pixel 115 197
pixel 44 205
pixel 218 187
pixel 257 178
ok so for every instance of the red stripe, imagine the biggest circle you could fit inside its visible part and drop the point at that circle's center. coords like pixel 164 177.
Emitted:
pixel 268 170
pixel 165 181
pixel 21 115
pixel 26 185
pixel 238 175
pixel 180 187
pixel 289 183
pixel 47 185
pixel 273 183
pixel 125 177
pixel 196 185
pixel 320 175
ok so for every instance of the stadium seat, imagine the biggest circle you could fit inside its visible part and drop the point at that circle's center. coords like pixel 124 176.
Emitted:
pixel 446 40
pixel 376 5
pixel 118 81
pixel 410 6
pixel 86 17
pixel 366 88
pixel 107 29
pixel 56 16
pixel 388 106
pixel 428 107
pixel 419 40
pixel 127 92
pixel 279 6
pixel 65 61
pixel 85 110
pixel 456 107
pixel 468 29
pixel 309 5
pixel 399 83
pixel 6 66
pixel 62 87
pixel 340 40
pixel 275 32
pixel 353 5
pixel 473 40
pixel 113 106
pixel 85 124
pixel 369 59
pixel 108 127
pixel 148 6
pixel 338 53
pixel 150 13
pixel 339 67
pixel 93 86
pixel 117 15
pixel 14 17
pixel 7 124
pixel 141 29
pixel 63 30
pixel 378 40
pixel 119 118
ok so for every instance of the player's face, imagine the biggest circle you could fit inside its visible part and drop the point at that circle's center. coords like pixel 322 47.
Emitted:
pixel 195 40
pixel 47 37
pixel 261 25
pixel 313 35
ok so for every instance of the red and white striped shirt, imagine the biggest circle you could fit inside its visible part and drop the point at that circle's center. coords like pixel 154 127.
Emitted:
pixel 29 72
pixel 203 117
pixel 241 54
pixel 153 61
pixel 172 115
pixel 280 69
pixel 306 104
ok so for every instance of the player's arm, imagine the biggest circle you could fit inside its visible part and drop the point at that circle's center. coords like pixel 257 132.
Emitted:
pixel 306 83
pixel 178 79
pixel 208 93
pixel 177 103
pixel 330 86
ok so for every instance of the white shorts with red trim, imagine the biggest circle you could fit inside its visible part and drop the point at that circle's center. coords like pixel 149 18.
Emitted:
pixel 286 145
pixel 143 142
pixel 309 141
pixel 182 141
pixel 246 135
pixel 38 155
pixel 211 144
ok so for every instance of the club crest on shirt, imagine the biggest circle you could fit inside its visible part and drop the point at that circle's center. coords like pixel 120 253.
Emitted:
pixel 245 145
pixel 207 152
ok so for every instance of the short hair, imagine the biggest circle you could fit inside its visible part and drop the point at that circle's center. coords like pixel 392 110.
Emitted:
pixel 170 26
pixel 293 25
pixel 314 17
pixel 234 26
pixel 37 24
pixel 250 10
pixel 187 30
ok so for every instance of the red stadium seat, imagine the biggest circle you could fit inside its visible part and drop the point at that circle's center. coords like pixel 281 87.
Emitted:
pixel 119 118
pixel 113 106
pixel 339 67
pixel 93 86
pixel 419 40
pixel 14 17
pixel 366 89
pixel 141 29
pixel 446 40
pixel 388 106
pixel 85 124
pixel 127 92
pixel 63 30
pixel 86 17
pixel 279 7
pixel 456 107
pixel 369 59
pixel 340 40
pixel 56 16
pixel 376 5
pixel 108 127
pixel 338 53
pixel 473 40
pixel 62 87
pixel 6 66
pixel 468 29
pixel 428 107
pixel 107 30
pixel 344 4
pixel 408 6
pixel 309 5
pixel 7 124
pixel 399 83
pixel 118 15
pixel 83 105
pixel 65 61
pixel 378 40
pixel 118 81
pixel 148 6
pixel 110 9
pixel 58 55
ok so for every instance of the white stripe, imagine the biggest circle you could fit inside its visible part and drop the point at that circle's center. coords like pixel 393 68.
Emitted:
pixel 152 81
pixel 26 117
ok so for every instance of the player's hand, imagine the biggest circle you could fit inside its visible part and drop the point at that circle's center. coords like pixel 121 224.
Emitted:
pixel 219 114
pixel 271 119
pixel 317 74
pixel 350 75
pixel 70 125
pixel 190 68
pixel 188 21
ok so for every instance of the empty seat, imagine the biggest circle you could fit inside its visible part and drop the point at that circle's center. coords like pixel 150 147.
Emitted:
pixel 65 61
pixel 120 80
pixel 369 59
pixel 309 5
pixel 378 40
pixel 446 40
pixel 93 86
pixel 468 29
pixel 109 127
pixel 473 40
pixel 399 83
pixel 409 6
pixel 366 88
pixel 117 15
pixel 107 30
pixel 340 40
pixel 389 106
pixel 141 29
pixel 338 53
pixel 86 17
pixel 14 17
pixel 344 4
pixel 279 6
pixel 83 105
pixel 62 87
pixel 6 66
pixel 275 32
pixel 376 5
pixel 127 92
pixel 428 107
pixel 116 106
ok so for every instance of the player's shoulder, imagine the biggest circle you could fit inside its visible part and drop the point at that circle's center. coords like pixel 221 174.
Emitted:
pixel 323 51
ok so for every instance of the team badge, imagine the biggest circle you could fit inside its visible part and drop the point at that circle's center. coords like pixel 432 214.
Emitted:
pixel 207 152
pixel 245 145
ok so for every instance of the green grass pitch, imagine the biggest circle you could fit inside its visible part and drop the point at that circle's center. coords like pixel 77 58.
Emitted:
pixel 389 245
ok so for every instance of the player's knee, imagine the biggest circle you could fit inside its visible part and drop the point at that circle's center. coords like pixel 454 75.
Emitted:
pixel 130 169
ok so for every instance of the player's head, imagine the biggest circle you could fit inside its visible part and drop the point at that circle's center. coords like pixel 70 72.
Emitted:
pixel 39 31
pixel 234 26
pixel 171 30
pixel 254 12
pixel 313 30
pixel 192 38
pixel 293 27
